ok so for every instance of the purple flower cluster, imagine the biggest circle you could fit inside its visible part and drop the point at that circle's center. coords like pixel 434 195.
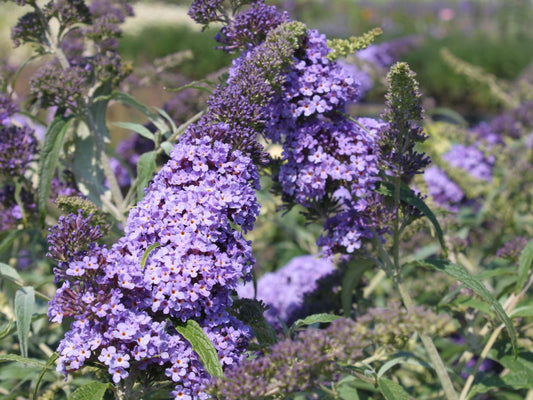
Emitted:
pixel 7 109
pixel 121 309
pixel 206 11
pixel 283 290
pixel 444 191
pixel 250 27
pixel 330 161
pixel 472 160
pixel 17 143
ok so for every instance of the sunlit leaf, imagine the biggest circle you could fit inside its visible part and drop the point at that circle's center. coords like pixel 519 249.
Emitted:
pixel 201 344
pixel 24 306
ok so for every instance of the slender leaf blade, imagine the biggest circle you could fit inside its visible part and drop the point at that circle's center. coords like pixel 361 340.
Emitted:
pixel 23 360
pixel 461 274
pixel 201 344
pixel 524 266
pixel 137 128
pixel 53 141
pixel 145 169
pixel 51 360
pixel 11 274
pixel 24 306
pixel 391 390
pixel 147 253
pixel 134 103
pixel 322 318
pixel 91 391
pixel 403 358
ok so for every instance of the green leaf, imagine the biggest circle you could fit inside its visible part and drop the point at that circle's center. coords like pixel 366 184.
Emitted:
pixel 410 197
pixel 350 281
pixel 461 274
pixel 51 360
pixel 27 362
pixel 24 305
pixel 522 312
pixel 53 141
pixel 98 108
pixel 322 318
pixel 524 266
pixel 8 239
pixel 391 390
pixel 193 85
pixel 128 100
pixel 145 169
pixel 201 344
pixel 137 128
pixel 168 118
pixel 7 330
pixel 147 253
pixel 11 274
pixel 403 358
pixel 167 147
pixel 91 391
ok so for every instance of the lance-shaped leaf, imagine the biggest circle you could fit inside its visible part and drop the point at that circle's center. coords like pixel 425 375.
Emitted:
pixel 524 266
pixel 391 390
pixel 27 362
pixel 24 305
pixel 147 253
pixel 461 274
pixel 91 391
pixel 145 170
pixel 201 344
pixel 53 141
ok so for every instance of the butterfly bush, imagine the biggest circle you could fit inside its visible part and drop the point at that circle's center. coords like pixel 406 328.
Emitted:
pixel 183 250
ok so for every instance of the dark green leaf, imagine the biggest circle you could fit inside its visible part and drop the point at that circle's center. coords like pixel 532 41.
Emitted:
pixel 53 141
pixel 137 128
pixel 147 253
pixel 145 170
pixel 168 118
pixel 51 360
pixel 322 318
pixel 524 266
pixel 410 197
pixel 98 108
pixel 391 390
pixel 201 344
pixel 91 391
pixel 349 282
pixel 461 274
pixel 24 305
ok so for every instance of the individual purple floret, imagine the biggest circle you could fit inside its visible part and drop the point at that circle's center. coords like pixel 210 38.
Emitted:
pixel 17 149
pixel 283 290
pixel 445 192
pixel 472 160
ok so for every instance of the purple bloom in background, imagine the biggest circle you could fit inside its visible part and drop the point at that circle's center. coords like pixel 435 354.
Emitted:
pixel 445 192
pixel 17 149
pixel 10 212
pixel 472 160
pixel 206 11
pixel 250 27
pixel 283 290
pixel 7 109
